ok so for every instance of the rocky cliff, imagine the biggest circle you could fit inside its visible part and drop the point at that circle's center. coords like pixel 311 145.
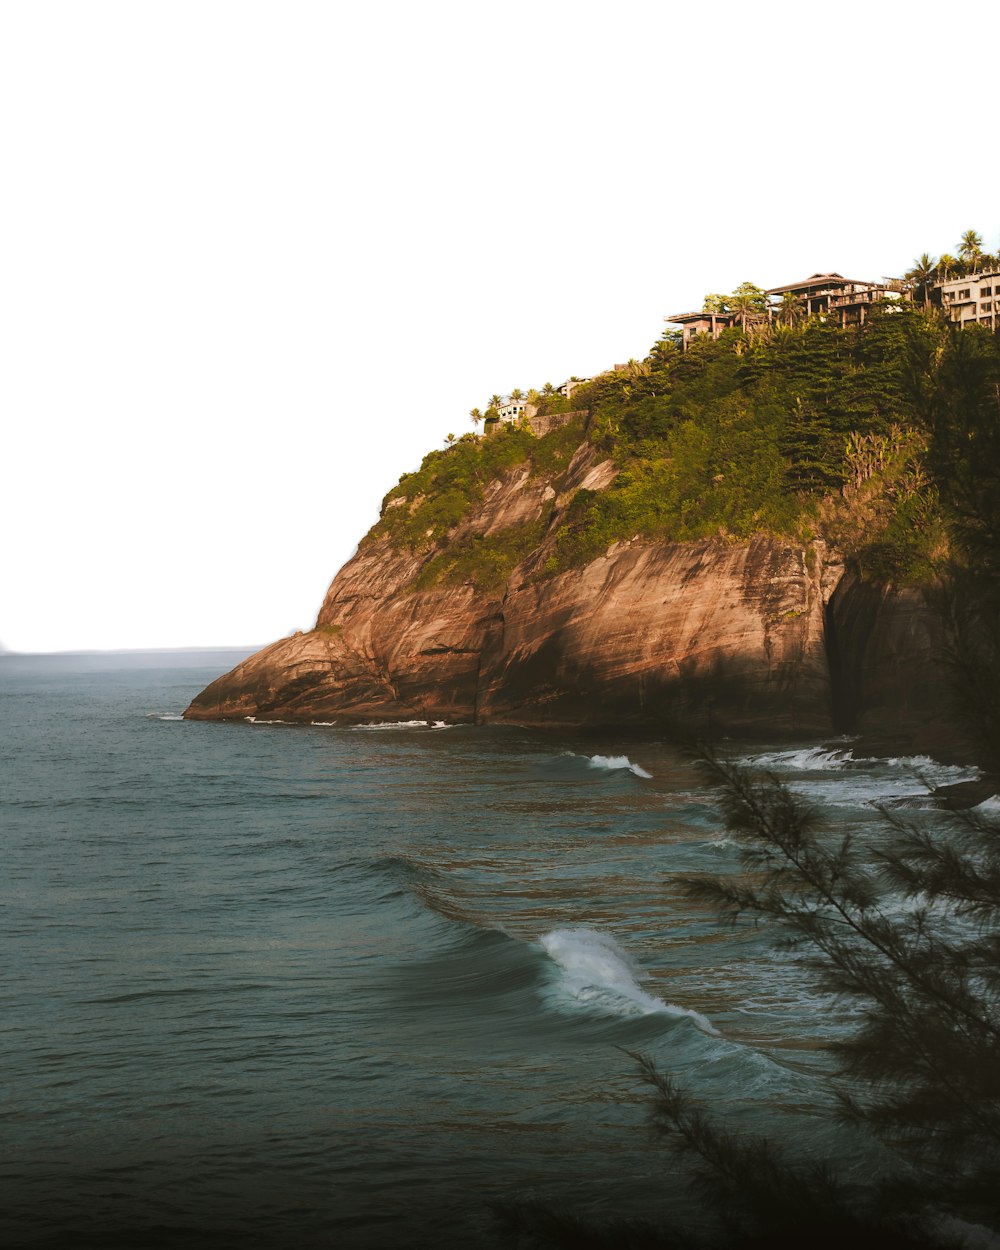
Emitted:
pixel 764 636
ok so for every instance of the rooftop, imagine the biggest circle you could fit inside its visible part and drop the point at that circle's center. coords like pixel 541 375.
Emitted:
pixel 817 279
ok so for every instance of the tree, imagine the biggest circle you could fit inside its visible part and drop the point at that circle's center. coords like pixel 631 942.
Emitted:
pixel 922 275
pixel 970 249
pixel 715 304
pixel 450 439
pixel 516 394
pixel 475 416
pixel 495 401
pixel 946 266
pixel 748 302
pixel 789 311
pixel 921 1070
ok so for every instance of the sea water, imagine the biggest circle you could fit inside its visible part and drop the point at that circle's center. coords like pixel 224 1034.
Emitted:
pixel 271 985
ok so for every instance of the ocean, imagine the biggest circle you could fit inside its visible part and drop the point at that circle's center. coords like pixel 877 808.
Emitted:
pixel 269 985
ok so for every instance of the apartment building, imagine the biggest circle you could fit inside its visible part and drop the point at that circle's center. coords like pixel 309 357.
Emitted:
pixel 971 300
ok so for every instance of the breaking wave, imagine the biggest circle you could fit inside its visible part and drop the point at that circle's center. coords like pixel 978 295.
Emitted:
pixel 615 762
pixel 595 972
pixel 807 759
pixel 836 776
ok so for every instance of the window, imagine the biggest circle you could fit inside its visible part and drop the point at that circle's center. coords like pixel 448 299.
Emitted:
pixel 986 306
pixel 986 290
pixel 965 294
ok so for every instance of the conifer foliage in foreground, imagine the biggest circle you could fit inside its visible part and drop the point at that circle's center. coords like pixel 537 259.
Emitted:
pixel 908 934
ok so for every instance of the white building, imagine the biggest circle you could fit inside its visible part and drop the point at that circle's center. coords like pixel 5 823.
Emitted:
pixel 514 409
pixel 971 300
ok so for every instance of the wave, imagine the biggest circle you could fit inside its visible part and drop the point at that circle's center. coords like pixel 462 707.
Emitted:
pixel 256 720
pixel 615 762
pixel 595 972
pixel 840 759
pixel 806 759
pixel 835 776
pixel 392 724
pixel 164 716
pixel 933 771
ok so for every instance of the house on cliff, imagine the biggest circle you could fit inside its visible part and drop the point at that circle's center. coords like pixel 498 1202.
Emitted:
pixel 822 295
pixel 512 410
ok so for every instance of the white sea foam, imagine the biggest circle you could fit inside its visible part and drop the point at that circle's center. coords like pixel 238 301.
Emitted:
pixel 933 771
pixel 164 716
pixel 323 724
pixel 615 762
pixel 442 724
pixel 256 720
pixel 596 972
pixel 808 759
pixel 845 780
pixel 990 806
pixel 393 724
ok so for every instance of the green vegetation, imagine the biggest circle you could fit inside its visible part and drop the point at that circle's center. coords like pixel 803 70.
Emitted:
pixel 429 503
pixel 485 560
pixel 754 432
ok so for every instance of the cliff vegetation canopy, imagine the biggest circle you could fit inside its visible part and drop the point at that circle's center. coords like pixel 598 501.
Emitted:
pixel 858 435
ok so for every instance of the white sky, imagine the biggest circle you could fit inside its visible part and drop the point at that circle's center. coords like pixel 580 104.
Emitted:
pixel 257 258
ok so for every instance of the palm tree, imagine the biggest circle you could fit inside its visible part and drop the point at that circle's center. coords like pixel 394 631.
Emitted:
pixel 495 401
pixel 946 265
pixel 922 275
pixel 548 389
pixel 475 415
pixel 450 439
pixel 790 310
pixel 748 302
pixel 516 394
pixel 970 248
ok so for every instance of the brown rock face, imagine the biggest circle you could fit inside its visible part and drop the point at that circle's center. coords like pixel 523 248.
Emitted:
pixel 884 648
pixel 712 636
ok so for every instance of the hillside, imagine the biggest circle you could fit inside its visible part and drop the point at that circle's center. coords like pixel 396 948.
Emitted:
pixel 740 537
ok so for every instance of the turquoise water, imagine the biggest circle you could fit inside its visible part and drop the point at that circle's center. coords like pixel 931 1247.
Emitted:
pixel 270 985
